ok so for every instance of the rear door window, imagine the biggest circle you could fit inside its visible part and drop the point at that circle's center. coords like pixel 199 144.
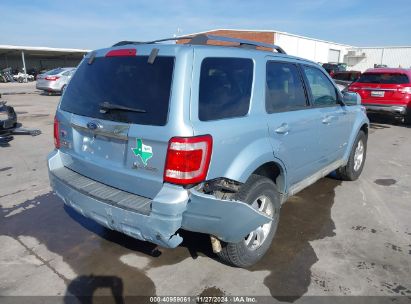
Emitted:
pixel 284 88
pixel 384 78
pixel 323 91
pixel 125 81
pixel 225 88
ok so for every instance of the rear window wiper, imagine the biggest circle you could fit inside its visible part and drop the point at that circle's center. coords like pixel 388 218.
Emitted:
pixel 107 106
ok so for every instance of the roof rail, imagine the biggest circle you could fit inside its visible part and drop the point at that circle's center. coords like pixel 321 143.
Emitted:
pixel 203 39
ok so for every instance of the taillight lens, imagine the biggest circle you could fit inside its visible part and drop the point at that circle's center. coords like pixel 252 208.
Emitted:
pixel 353 89
pixel 56 134
pixel 188 159
pixel 52 78
pixel 405 90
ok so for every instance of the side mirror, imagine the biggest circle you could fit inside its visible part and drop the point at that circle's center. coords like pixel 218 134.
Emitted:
pixel 351 98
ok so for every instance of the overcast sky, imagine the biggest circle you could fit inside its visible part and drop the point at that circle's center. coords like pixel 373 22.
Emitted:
pixel 99 23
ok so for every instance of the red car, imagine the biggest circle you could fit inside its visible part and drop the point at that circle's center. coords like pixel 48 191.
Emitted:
pixel 385 90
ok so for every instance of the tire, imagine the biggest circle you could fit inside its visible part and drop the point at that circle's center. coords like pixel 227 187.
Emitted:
pixel 254 191
pixel 407 118
pixel 355 165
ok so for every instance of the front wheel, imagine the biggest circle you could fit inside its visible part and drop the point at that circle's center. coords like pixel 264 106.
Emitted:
pixel 259 192
pixel 356 160
pixel 407 117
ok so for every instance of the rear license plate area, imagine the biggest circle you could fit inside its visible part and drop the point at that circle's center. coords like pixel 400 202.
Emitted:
pixel 377 93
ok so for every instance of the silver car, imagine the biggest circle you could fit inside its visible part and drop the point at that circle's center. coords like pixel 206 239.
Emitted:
pixel 55 81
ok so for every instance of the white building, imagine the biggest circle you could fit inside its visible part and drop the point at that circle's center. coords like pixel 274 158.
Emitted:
pixel 362 58
pixel 356 58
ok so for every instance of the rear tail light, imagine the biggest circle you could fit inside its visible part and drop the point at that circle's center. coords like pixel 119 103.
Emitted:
pixel 353 89
pixel 56 134
pixel 52 78
pixel 405 90
pixel 188 159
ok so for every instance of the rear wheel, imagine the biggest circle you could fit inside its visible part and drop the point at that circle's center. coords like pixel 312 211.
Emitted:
pixel 259 192
pixel 353 169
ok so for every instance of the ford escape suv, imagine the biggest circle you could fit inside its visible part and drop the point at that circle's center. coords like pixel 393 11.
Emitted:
pixel 151 138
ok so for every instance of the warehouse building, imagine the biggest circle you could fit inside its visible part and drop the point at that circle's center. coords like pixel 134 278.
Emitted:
pixel 321 51
pixel 39 58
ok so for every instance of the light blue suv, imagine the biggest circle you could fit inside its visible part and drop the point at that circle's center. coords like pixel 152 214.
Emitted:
pixel 151 138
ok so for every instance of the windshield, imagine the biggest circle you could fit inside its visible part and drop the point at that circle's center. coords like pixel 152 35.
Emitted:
pixel 124 81
pixel 383 78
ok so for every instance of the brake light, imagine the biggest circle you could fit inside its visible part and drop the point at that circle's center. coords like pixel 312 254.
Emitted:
pixel 122 52
pixel 56 134
pixel 405 90
pixel 188 159
pixel 353 88
pixel 52 78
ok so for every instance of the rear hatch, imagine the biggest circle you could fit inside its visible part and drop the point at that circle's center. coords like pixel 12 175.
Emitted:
pixel 114 118
pixel 382 88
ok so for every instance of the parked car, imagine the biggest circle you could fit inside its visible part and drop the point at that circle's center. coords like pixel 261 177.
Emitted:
pixel 55 81
pixel 345 78
pixel 387 91
pixel 333 68
pixel 153 138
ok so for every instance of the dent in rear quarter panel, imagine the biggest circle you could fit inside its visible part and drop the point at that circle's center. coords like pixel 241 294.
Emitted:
pixel 360 119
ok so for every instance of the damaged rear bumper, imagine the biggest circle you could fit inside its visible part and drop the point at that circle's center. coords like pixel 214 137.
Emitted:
pixel 171 209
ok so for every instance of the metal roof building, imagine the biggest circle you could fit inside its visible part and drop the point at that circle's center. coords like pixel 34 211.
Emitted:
pixel 39 58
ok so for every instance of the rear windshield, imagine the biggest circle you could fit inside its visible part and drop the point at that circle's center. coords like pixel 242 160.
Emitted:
pixel 54 72
pixel 122 81
pixel 387 78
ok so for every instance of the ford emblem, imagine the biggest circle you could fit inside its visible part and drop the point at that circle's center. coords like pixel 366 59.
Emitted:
pixel 93 125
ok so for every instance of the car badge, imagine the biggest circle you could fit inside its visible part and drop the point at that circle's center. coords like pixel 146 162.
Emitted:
pixel 93 125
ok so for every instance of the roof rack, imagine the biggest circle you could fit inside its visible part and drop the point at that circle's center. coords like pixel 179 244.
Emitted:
pixel 203 39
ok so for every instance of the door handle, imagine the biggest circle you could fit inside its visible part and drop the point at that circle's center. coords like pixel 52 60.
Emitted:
pixel 283 129
pixel 327 120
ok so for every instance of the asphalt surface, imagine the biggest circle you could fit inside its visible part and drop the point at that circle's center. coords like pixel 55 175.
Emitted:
pixel 334 238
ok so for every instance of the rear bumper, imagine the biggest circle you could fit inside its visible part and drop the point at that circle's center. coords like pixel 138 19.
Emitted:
pixel 171 209
pixel 49 88
pixel 397 110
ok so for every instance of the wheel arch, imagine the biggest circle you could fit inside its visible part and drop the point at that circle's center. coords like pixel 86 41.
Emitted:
pixel 275 171
pixel 362 126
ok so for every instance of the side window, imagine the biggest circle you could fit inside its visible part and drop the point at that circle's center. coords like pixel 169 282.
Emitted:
pixel 284 88
pixel 322 90
pixel 225 88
